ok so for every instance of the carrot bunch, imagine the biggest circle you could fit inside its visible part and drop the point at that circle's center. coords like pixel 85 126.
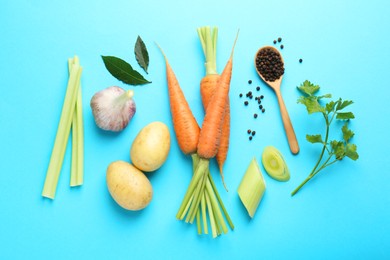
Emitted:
pixel 209 83
pixel 202 199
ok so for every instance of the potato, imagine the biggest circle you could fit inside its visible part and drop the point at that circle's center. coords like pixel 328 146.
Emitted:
pixel 151 147
pixel 128 186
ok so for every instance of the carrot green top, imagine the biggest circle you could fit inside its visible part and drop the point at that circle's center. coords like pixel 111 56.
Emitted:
pixel 208 38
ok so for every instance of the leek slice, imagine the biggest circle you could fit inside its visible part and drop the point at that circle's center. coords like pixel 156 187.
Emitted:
pixel 274 164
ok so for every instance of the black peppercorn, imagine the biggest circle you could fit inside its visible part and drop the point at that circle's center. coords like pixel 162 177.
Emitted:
pixel 279 39
pixel 269 64
pixel 255 115
pixel 281 46
pixel 257 88
pixel 261 97
pixel 274 41
pixel 249 131
pixel 246 103
pixel 300 60
pixel 250 137
pixel 240 94
pixel 263 110
pixel 249 81
pixel 253 133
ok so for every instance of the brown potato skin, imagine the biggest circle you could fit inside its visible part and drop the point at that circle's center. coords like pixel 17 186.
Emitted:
pixel 128 186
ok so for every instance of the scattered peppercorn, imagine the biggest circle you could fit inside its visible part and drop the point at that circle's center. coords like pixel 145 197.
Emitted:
pixel 263 110
pixel 253 133
pixel 281 46
pixel 261 97
pixel 261 106
pixel 274 41
pixel 249 81
pixel 250 137
pixel 270 65
pixel 255 115
pixel 279 39
pixel 240 94
pixel 249 131
pixel 258 88
pixel 246 103
pixel 300 60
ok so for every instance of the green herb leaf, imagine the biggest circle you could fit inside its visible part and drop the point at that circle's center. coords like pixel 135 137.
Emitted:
pixel 314 139
pixel 345 115
pixel 351 152
pixel 123 71
pixel 308 88
pixel 347 134
pixel 311 104
pixel 325 96
pixel 338 148
pixel 330 106
pixel 141 54
pixel 343 104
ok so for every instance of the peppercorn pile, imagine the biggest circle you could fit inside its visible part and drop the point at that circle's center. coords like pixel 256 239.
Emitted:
pixel 257 100
pixel 270 65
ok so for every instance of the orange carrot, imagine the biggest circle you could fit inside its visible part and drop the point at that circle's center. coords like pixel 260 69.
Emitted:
pixel 210 134
pixel 207 88
pixel 208 38
pixel 184 123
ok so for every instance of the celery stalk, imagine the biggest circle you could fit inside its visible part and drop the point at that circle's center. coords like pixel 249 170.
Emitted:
pixel 63 131
pixel 252 188
pixel 76 174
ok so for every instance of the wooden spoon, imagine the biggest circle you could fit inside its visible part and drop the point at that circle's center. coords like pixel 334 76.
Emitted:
pixel 275 85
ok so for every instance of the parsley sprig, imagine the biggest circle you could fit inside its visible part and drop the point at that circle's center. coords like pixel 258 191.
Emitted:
pixel 332 150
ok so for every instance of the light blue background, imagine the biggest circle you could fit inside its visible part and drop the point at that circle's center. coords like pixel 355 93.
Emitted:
pixel 342 214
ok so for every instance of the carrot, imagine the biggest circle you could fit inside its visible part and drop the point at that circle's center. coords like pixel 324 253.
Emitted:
pixel 201 194
pixel 184 123
pixel 210 134
pixel 207 87
pixel 201 188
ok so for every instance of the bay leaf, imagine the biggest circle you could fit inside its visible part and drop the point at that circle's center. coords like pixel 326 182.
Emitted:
pixel 123 71
pixel 141 54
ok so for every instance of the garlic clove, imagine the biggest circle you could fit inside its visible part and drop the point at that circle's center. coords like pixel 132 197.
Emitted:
pixel 113 108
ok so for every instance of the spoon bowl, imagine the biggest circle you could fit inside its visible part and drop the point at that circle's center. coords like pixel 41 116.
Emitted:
pixel 275 85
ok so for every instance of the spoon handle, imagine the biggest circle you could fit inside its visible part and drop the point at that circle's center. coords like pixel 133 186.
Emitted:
pixel 292 139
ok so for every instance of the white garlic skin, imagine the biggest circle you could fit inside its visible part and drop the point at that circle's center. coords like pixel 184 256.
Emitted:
pixel 113 108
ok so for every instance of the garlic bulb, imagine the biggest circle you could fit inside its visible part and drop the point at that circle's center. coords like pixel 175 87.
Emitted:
pixel 113 108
